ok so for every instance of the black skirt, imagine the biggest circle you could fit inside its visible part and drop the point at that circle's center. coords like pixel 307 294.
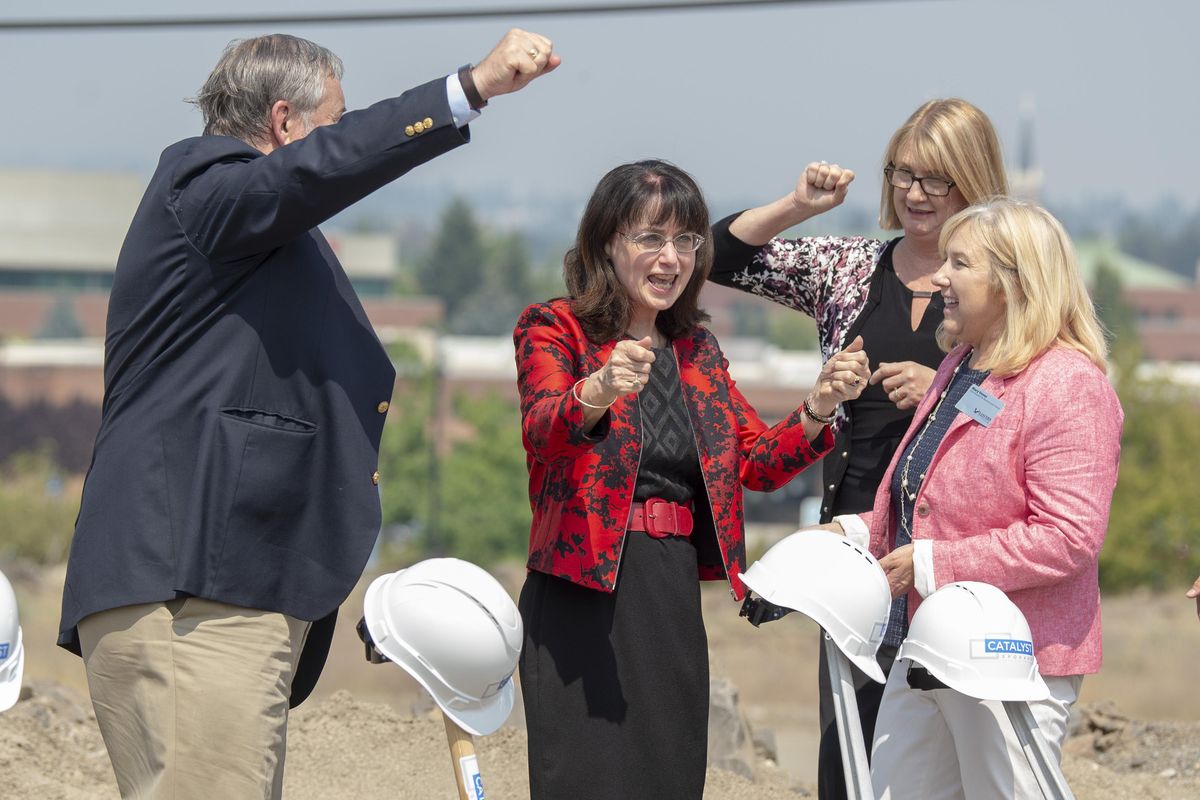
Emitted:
pixel 615 685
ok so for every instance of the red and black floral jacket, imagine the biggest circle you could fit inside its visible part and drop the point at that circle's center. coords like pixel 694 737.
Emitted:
pixel 581 484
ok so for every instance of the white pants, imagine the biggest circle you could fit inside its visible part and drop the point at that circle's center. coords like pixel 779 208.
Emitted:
pixel 939 744
pixel 191 697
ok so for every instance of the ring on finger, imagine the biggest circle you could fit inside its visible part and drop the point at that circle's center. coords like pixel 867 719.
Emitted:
pixel 534 52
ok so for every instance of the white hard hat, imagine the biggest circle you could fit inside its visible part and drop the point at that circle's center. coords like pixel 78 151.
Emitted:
pixel 835 582
pixel 975 640
pixel 12 652
pixel 454 628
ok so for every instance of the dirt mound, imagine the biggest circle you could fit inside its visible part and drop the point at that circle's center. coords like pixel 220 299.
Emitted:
pixel 50 748
pixel 1123 758
pixel 342 748
pixel 370 750
pixel 339 749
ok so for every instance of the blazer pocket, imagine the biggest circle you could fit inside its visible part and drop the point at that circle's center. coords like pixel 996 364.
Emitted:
pixel 269 419
pixel 271 489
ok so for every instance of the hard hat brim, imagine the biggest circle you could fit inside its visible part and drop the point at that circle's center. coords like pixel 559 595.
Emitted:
pixel 481 721
pixel 10 685
pixel 1001 691
pixel 868 664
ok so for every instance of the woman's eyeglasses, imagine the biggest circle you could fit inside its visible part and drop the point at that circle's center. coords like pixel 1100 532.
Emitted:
pixel 653 242
pixel 931 185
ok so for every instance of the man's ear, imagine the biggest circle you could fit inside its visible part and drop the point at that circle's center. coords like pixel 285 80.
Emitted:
pixel 284 124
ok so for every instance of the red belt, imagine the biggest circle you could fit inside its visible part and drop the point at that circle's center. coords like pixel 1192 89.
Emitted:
pixel 661 518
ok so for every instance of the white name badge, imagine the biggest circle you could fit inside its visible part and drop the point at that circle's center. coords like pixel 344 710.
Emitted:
pixel 980 405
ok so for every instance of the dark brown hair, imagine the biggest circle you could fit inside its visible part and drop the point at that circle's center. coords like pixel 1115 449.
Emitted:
pixel 651 192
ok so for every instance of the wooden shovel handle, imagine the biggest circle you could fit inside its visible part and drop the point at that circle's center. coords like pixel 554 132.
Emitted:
pixel 462 757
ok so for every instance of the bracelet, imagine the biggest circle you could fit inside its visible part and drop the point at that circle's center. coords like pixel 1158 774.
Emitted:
pixel 582 402
pixel 815 417
pixel 467 80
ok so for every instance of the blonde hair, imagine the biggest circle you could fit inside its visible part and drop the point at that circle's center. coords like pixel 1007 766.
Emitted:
pixel 1033 267
pixel 951 138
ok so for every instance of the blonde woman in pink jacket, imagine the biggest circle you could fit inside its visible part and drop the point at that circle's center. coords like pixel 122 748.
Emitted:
pixel 1005 476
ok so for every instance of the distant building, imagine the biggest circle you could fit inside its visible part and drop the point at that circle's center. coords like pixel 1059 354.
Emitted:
pixel 1025 176
pixel 62 231
pixel 1166 305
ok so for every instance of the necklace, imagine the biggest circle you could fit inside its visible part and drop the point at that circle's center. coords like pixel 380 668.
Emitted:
pixel 910 490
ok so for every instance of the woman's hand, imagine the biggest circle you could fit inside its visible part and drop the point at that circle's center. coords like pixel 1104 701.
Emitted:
pixel 626 372
pixel 905 382
pixel 821 187
pixel 898 567
pixel 843 377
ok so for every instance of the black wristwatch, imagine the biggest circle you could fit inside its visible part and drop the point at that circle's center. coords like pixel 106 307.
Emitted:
pixel 467 80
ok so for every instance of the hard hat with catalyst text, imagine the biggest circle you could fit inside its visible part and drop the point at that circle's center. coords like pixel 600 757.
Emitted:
pixel 835 582
pixel 12 652
pixel 972 638
pixel 454 628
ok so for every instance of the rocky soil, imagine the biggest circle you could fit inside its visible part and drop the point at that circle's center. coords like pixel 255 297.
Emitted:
pixel 340 748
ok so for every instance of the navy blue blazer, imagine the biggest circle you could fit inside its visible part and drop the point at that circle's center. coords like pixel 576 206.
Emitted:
pixel 244 387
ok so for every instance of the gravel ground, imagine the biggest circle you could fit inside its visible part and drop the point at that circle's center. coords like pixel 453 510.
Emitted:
pixel 343 749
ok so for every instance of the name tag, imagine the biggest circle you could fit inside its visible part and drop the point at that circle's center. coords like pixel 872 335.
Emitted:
pixel 980 405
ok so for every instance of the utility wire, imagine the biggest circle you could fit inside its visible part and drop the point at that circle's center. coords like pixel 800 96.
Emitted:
pixel 575 9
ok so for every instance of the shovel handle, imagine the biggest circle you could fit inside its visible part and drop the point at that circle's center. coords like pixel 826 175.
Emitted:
pixel 462 757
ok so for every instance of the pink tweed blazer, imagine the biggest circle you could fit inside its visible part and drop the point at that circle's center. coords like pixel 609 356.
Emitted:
pixel 1023 504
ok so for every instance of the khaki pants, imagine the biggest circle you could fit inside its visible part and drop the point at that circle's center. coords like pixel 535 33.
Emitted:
pixel 939 744
pixel 191 696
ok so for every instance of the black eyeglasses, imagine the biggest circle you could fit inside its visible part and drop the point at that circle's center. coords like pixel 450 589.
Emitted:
pixel 653 242
pixel 931 185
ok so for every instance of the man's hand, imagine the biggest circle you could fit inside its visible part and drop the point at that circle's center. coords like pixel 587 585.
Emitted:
pixel 520 57
pixel 1195 592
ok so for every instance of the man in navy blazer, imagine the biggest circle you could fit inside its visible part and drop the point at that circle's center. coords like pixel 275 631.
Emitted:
pixel 231 504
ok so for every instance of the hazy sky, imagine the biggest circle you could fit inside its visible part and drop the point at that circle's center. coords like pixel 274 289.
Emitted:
pixel 742 98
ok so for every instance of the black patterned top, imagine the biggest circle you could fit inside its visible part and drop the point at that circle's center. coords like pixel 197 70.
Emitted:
pixel 670 466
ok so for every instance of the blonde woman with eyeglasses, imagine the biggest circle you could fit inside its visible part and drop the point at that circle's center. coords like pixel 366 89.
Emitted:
pixel 944 157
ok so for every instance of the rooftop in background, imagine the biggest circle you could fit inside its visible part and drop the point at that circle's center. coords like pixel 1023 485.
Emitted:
pixel 1134 273
pixel 64 230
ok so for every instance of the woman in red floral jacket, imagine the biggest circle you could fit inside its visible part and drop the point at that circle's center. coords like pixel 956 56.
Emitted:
pixel 638 445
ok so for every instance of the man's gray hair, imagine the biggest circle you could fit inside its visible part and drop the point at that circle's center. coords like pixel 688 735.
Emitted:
pixel 253 74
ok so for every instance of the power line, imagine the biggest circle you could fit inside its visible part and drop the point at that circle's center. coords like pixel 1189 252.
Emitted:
pixel 137 23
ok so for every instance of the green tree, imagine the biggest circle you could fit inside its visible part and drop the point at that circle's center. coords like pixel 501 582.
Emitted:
pixel 791 330
pixel 405 454
pixel 453 268
pixel 1117 316
pixel 508 268
pixel 1154 530
pixel 484 511
pixel 506 288
pixel 37 514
